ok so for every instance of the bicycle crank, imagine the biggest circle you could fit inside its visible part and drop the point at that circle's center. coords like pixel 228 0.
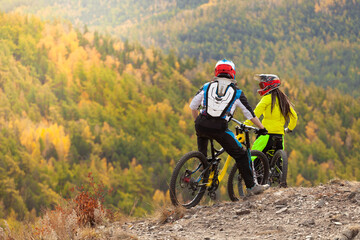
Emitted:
pixel 212 195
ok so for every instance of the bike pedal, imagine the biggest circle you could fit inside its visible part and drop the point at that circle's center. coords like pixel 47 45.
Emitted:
pixel 212 195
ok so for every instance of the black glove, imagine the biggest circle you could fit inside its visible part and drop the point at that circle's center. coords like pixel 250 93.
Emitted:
pixel 262 132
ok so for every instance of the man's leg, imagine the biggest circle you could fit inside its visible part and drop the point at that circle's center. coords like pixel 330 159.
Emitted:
pixel 233 147
pixel 202 143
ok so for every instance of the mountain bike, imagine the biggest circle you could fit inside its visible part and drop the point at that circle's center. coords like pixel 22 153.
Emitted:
pixel 195 174
pixel 236 184
pixel 278 162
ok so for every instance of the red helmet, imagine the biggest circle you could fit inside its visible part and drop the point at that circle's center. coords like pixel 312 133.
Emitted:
pixel 225 68
pixel 268 82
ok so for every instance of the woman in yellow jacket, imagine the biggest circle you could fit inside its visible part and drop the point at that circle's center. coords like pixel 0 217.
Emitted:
pixel 277 111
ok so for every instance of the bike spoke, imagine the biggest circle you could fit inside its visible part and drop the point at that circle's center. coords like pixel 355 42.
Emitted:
pixel 188 184
pixel 259 170
pixel 278 169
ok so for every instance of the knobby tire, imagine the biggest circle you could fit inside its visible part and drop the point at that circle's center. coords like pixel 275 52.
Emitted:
pixel 279 159
pixel 236 185
pixel 183 190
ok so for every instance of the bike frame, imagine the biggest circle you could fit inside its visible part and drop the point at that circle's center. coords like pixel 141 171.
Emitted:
pixel 215 153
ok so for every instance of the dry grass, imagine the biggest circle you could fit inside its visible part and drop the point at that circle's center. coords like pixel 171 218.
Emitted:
pixel 76 218
pixel 84 217
pixel 170 214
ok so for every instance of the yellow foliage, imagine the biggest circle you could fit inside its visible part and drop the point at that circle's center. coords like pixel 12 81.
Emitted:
pixel 186 110
pixel 104 164
pixel 50 135
pixel 133 55
pixel 293 156
pixel 11 222
pixel 299 180
pixel 177 65
pixel 182 125
pixel 110 61
pixel 50 194
pixel 76 56
pixel 172 163
pixel 89 36
pixel 27 138
pixel 223 190
pixel 337 139
pixel 129 68
pixel 242 82
pixel 311 128
pixel 159 197
pixel 84 100
pixel 138 169
pixel 317 8
pixel 149 53
pixel 106 128
pixel 310 160
pixel 325 4
pixel 86 132
pixel 324 166
pixel 164 150
pixel 104 169
pixel 167 196
pixel 118 46
pixel 209 4
pixel 163 109
pixel 133 162
pixel 94 57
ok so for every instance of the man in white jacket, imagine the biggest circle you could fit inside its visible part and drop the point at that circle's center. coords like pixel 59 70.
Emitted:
pixel 217 101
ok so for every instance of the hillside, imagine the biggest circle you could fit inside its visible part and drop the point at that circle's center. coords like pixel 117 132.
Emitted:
pixel 78 105
pixel 315 41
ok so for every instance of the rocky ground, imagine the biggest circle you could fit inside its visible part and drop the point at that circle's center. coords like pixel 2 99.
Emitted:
pixel 329 211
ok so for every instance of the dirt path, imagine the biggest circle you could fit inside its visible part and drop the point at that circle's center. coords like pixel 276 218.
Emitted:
pixel 330 211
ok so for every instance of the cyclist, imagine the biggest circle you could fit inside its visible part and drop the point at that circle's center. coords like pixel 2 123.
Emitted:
pixel 218 100
pixel 277 111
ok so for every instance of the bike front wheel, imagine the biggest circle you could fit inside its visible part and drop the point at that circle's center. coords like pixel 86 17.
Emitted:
pixel 236 185
pixel 188 181
pixel 278 169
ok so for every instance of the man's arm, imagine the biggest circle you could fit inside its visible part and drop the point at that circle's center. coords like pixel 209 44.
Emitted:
pixel 257 122
pixel 194 113
pixel 196 102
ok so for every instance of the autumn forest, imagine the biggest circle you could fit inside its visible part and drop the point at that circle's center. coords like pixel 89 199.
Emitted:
pixel 76 101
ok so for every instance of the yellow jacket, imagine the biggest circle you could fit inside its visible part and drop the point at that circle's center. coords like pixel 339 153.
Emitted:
pixel 273 121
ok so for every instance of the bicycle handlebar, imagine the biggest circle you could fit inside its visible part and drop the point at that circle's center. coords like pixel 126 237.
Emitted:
pixel 243 126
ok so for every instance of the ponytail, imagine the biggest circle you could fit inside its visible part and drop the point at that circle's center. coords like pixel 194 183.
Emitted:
pixel 284 103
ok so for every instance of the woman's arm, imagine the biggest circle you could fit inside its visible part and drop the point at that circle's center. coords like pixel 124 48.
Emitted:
pixel 293 119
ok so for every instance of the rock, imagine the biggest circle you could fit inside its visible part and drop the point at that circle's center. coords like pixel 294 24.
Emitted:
pixel 281 202
pixel 243 212
pixel 329 211
pixel 320 203
pixel 309 222
pixel 282 210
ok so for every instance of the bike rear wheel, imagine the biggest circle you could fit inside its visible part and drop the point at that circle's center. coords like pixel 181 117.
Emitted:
pixel 278 169
pixel 188 181
pixel 236 185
